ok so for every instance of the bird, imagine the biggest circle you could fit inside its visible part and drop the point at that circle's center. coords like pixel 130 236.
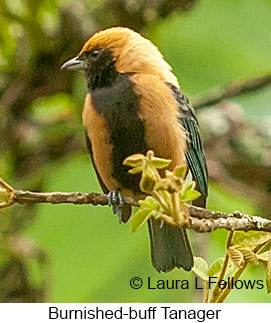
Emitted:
pixel 134 104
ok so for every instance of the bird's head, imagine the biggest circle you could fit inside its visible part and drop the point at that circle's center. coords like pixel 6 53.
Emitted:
pixel 125 50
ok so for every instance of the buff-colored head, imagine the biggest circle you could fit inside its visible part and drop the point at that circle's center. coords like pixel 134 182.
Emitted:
pixel 131 53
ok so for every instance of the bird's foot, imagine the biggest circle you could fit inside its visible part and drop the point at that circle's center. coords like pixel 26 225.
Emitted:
pixel 116 201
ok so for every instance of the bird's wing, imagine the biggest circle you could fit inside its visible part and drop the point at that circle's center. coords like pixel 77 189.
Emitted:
pixel 195 154
pixel 89 146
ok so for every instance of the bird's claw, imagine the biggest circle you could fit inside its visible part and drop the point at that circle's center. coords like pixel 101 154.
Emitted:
pixel 116 201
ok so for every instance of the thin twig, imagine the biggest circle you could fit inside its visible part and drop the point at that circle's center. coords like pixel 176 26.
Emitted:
pixel 232 90
pixel 217 290
pixel 235 277
pixel 201 220
pixel 206 292
pixel 222 296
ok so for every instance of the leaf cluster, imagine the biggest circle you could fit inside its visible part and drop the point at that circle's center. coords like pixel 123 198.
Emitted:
pixel 243 249
pixel 167 191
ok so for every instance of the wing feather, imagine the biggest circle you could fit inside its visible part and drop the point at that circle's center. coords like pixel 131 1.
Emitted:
pixel 195 154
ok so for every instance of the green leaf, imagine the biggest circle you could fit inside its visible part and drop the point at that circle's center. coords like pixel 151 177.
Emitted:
pixel 200 268
pixel 230 268
pixel 268 273
pixel 135 170
pixel 139 218
pixel 149 203
pixel 187 186
pixel 190 195
pixel 134 160
pixel 152 202
pixel 264 256
pixel 216 267
pixel 236 256
pixel 249 255
pixel 251 238
pixel 144 204
pixel 160 162
pixel 180 171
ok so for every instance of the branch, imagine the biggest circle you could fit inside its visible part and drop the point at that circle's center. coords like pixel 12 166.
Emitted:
pixel 232 90
pixel 204 220
pixel 201 220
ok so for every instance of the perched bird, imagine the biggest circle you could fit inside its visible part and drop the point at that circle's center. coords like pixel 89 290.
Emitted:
pixel 134 104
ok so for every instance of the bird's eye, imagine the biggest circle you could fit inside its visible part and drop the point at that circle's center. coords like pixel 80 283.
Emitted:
pixel 95 53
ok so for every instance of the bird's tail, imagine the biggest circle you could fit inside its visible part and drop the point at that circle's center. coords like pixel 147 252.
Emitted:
pixel 170 247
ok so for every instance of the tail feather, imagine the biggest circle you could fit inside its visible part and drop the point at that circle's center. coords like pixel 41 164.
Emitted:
pixel 170 247
pixel 126 213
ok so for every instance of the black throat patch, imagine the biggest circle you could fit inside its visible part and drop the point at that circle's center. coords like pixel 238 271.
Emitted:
pixel 119 105
pixel 100 70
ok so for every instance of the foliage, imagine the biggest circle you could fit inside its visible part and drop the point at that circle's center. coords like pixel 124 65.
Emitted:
pixel 166 201
pixel 243 249
pixel 167 196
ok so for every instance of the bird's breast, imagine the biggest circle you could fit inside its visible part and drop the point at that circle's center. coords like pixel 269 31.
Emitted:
pixel 111 118
pixel 135 114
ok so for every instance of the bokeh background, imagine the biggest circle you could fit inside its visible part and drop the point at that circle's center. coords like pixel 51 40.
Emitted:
pixel 66 253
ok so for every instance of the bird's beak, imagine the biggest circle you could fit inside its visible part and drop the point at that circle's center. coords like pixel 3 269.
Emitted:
pixel 74 64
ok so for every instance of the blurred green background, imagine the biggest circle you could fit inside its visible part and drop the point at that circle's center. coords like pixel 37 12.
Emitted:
pixel 66 253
